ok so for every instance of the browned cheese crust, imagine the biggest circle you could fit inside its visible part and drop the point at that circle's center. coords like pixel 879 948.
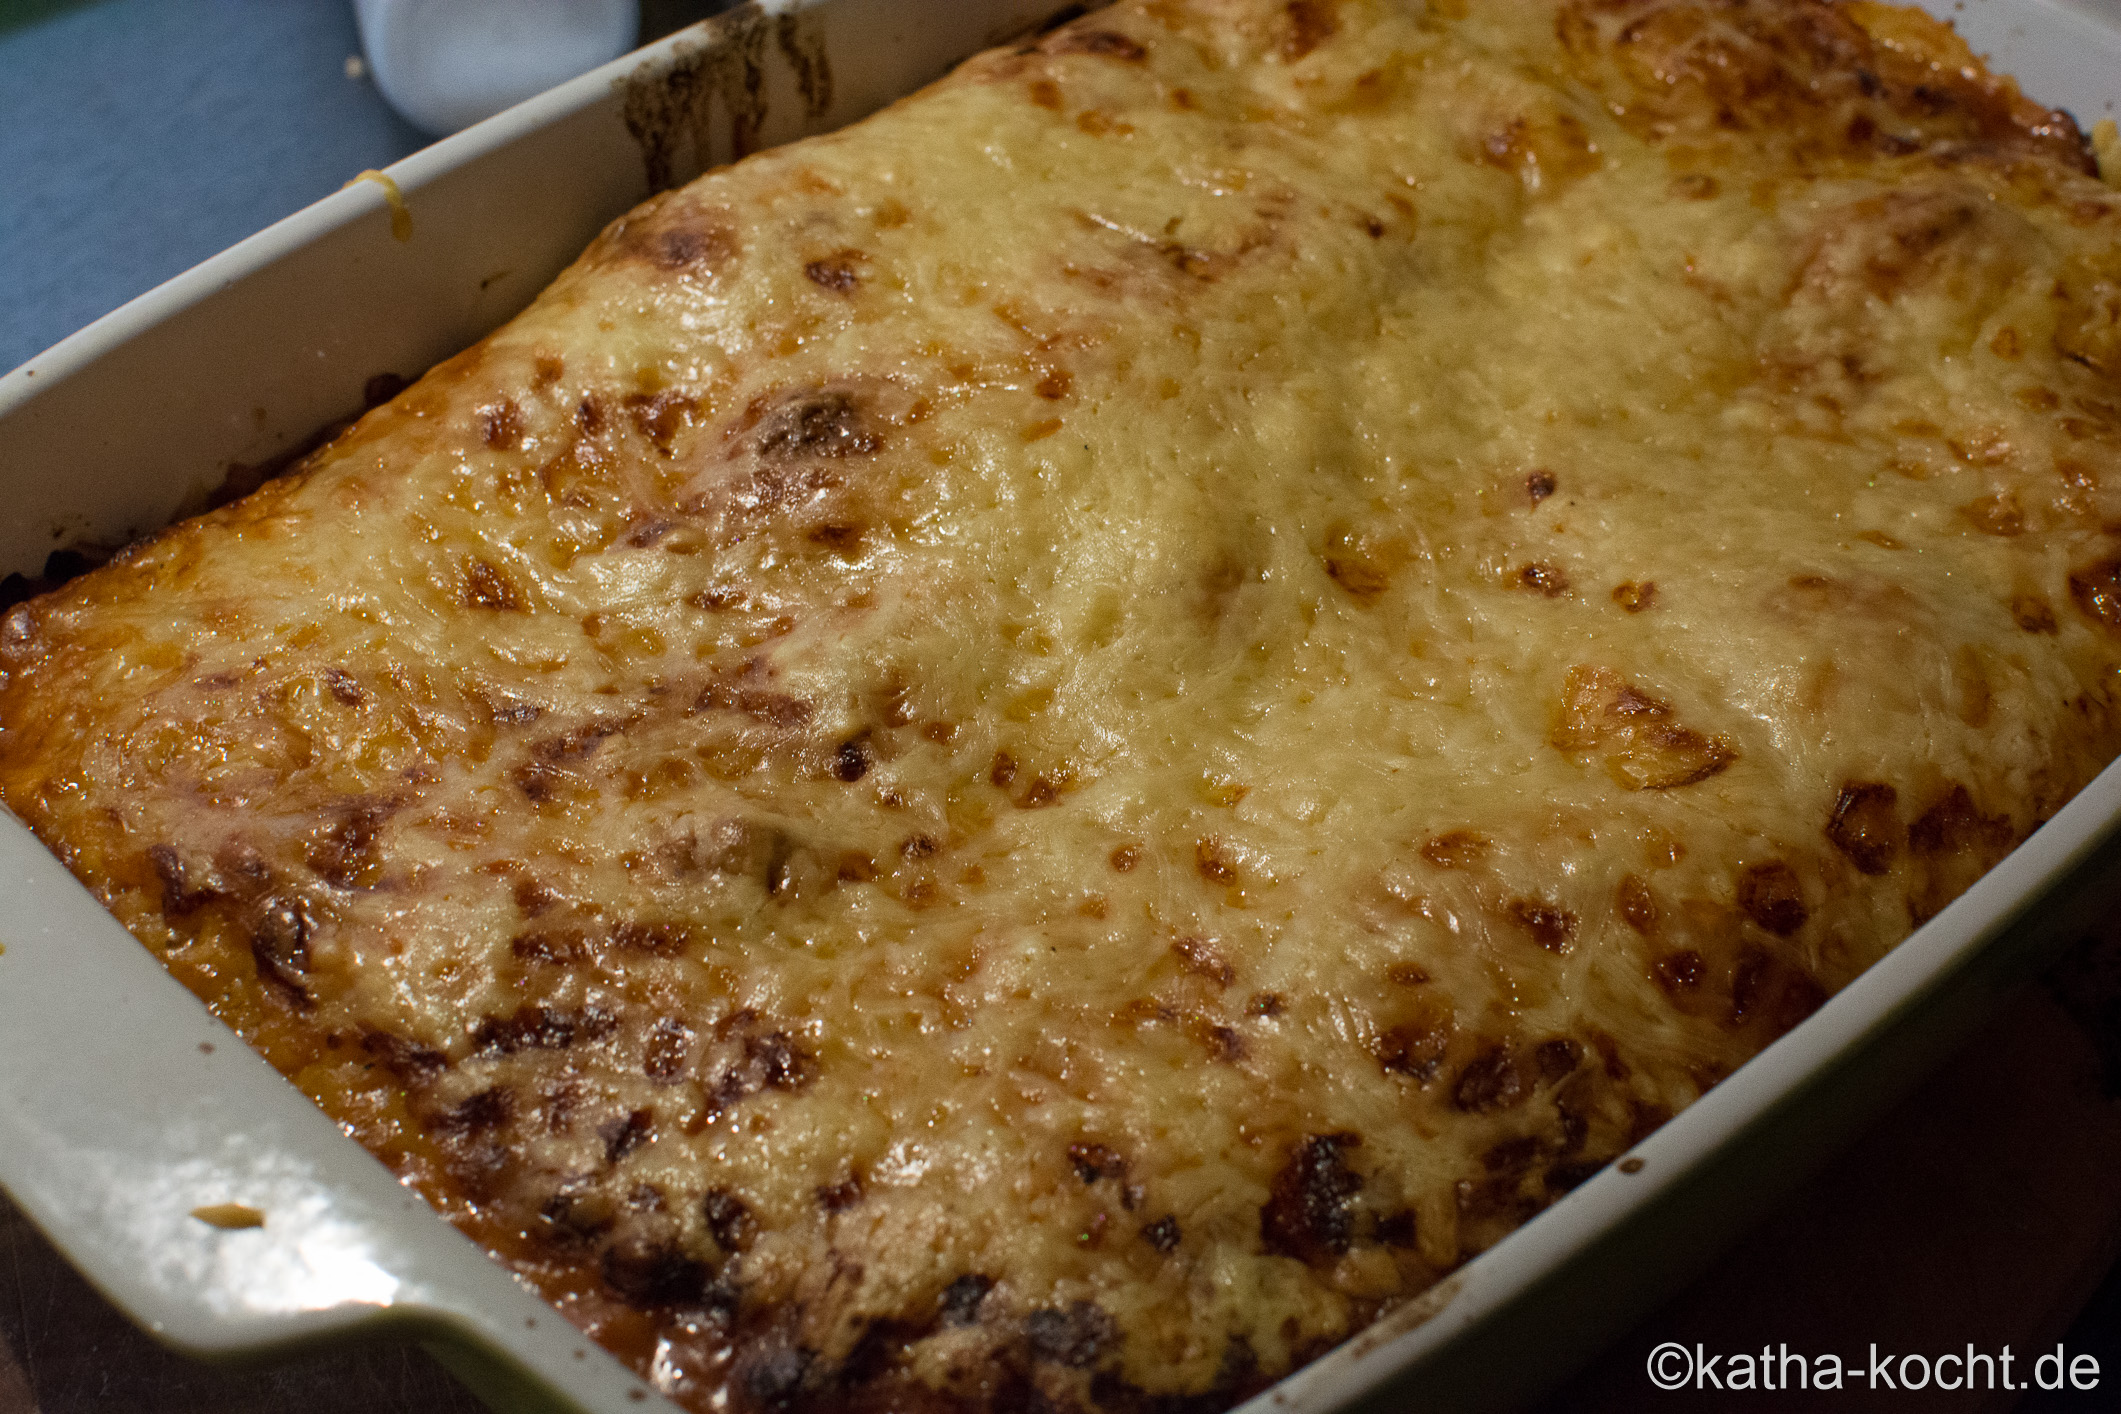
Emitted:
pixel 1055 748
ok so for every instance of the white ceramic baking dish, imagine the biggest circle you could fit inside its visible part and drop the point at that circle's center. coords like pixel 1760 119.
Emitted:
pixel 124 1106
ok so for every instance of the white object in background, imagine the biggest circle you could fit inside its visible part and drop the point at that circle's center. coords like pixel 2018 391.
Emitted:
pixel 446 64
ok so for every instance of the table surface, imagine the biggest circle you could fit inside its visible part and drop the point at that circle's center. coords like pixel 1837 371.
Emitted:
pixel 141 136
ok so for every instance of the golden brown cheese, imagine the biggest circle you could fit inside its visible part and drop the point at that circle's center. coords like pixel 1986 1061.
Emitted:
pixel 1062 744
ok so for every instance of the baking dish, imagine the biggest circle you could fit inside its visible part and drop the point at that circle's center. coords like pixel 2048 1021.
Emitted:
pixel 667 112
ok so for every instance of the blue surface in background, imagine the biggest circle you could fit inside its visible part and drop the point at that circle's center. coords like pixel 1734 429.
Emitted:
pixel 139 137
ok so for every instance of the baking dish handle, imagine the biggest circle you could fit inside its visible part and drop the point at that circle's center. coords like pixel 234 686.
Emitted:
pixel 206 1197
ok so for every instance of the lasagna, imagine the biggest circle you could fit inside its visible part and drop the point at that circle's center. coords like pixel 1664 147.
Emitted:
pixel 1049 751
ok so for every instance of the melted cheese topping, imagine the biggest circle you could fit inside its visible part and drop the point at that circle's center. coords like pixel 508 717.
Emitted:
pixel 1072 739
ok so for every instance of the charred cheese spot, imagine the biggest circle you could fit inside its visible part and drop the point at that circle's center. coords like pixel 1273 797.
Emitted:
pixel 179 894
pixel 1681 971
pixel 2089 329
pixel 1094 1161
pixel 1308 24
pixel 543 1028
pixel 1638 905
pixel 626 1133
pixel 651 1277
pixel 668 1049
pixel 1493 1080
pixel 1104 43
pixel 1310 1215
pixel 825 423
pixel 1546 150
pixel 2032 613
pixel 1214 862
pixel 1364 579
pixel 659 417
pixel 501 426
pixel 729 1219
pixel 1644 747
pixel 1456 849
pixel 2096 588
pixel 1865 825
pixel 1076 1335
pixel 1553 928
pixel 1635 597
pixel 1953 825
pixel 673 234
pixel 1550 581
pixel 1999 514
pixel 839 272
pixel 1201 957
pixel 772 1061
pixel 850 760
pixel 279 945
pixel 487 586
pixel 1772 896
pixel 842 1194
pixel 1416 1050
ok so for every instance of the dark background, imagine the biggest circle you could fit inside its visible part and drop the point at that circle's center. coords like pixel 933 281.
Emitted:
pixel 138 137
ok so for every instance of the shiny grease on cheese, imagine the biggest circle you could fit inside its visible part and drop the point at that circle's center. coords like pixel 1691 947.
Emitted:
pixel 1066 742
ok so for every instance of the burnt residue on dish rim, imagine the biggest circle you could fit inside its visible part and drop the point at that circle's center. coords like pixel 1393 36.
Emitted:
pixel 722 62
